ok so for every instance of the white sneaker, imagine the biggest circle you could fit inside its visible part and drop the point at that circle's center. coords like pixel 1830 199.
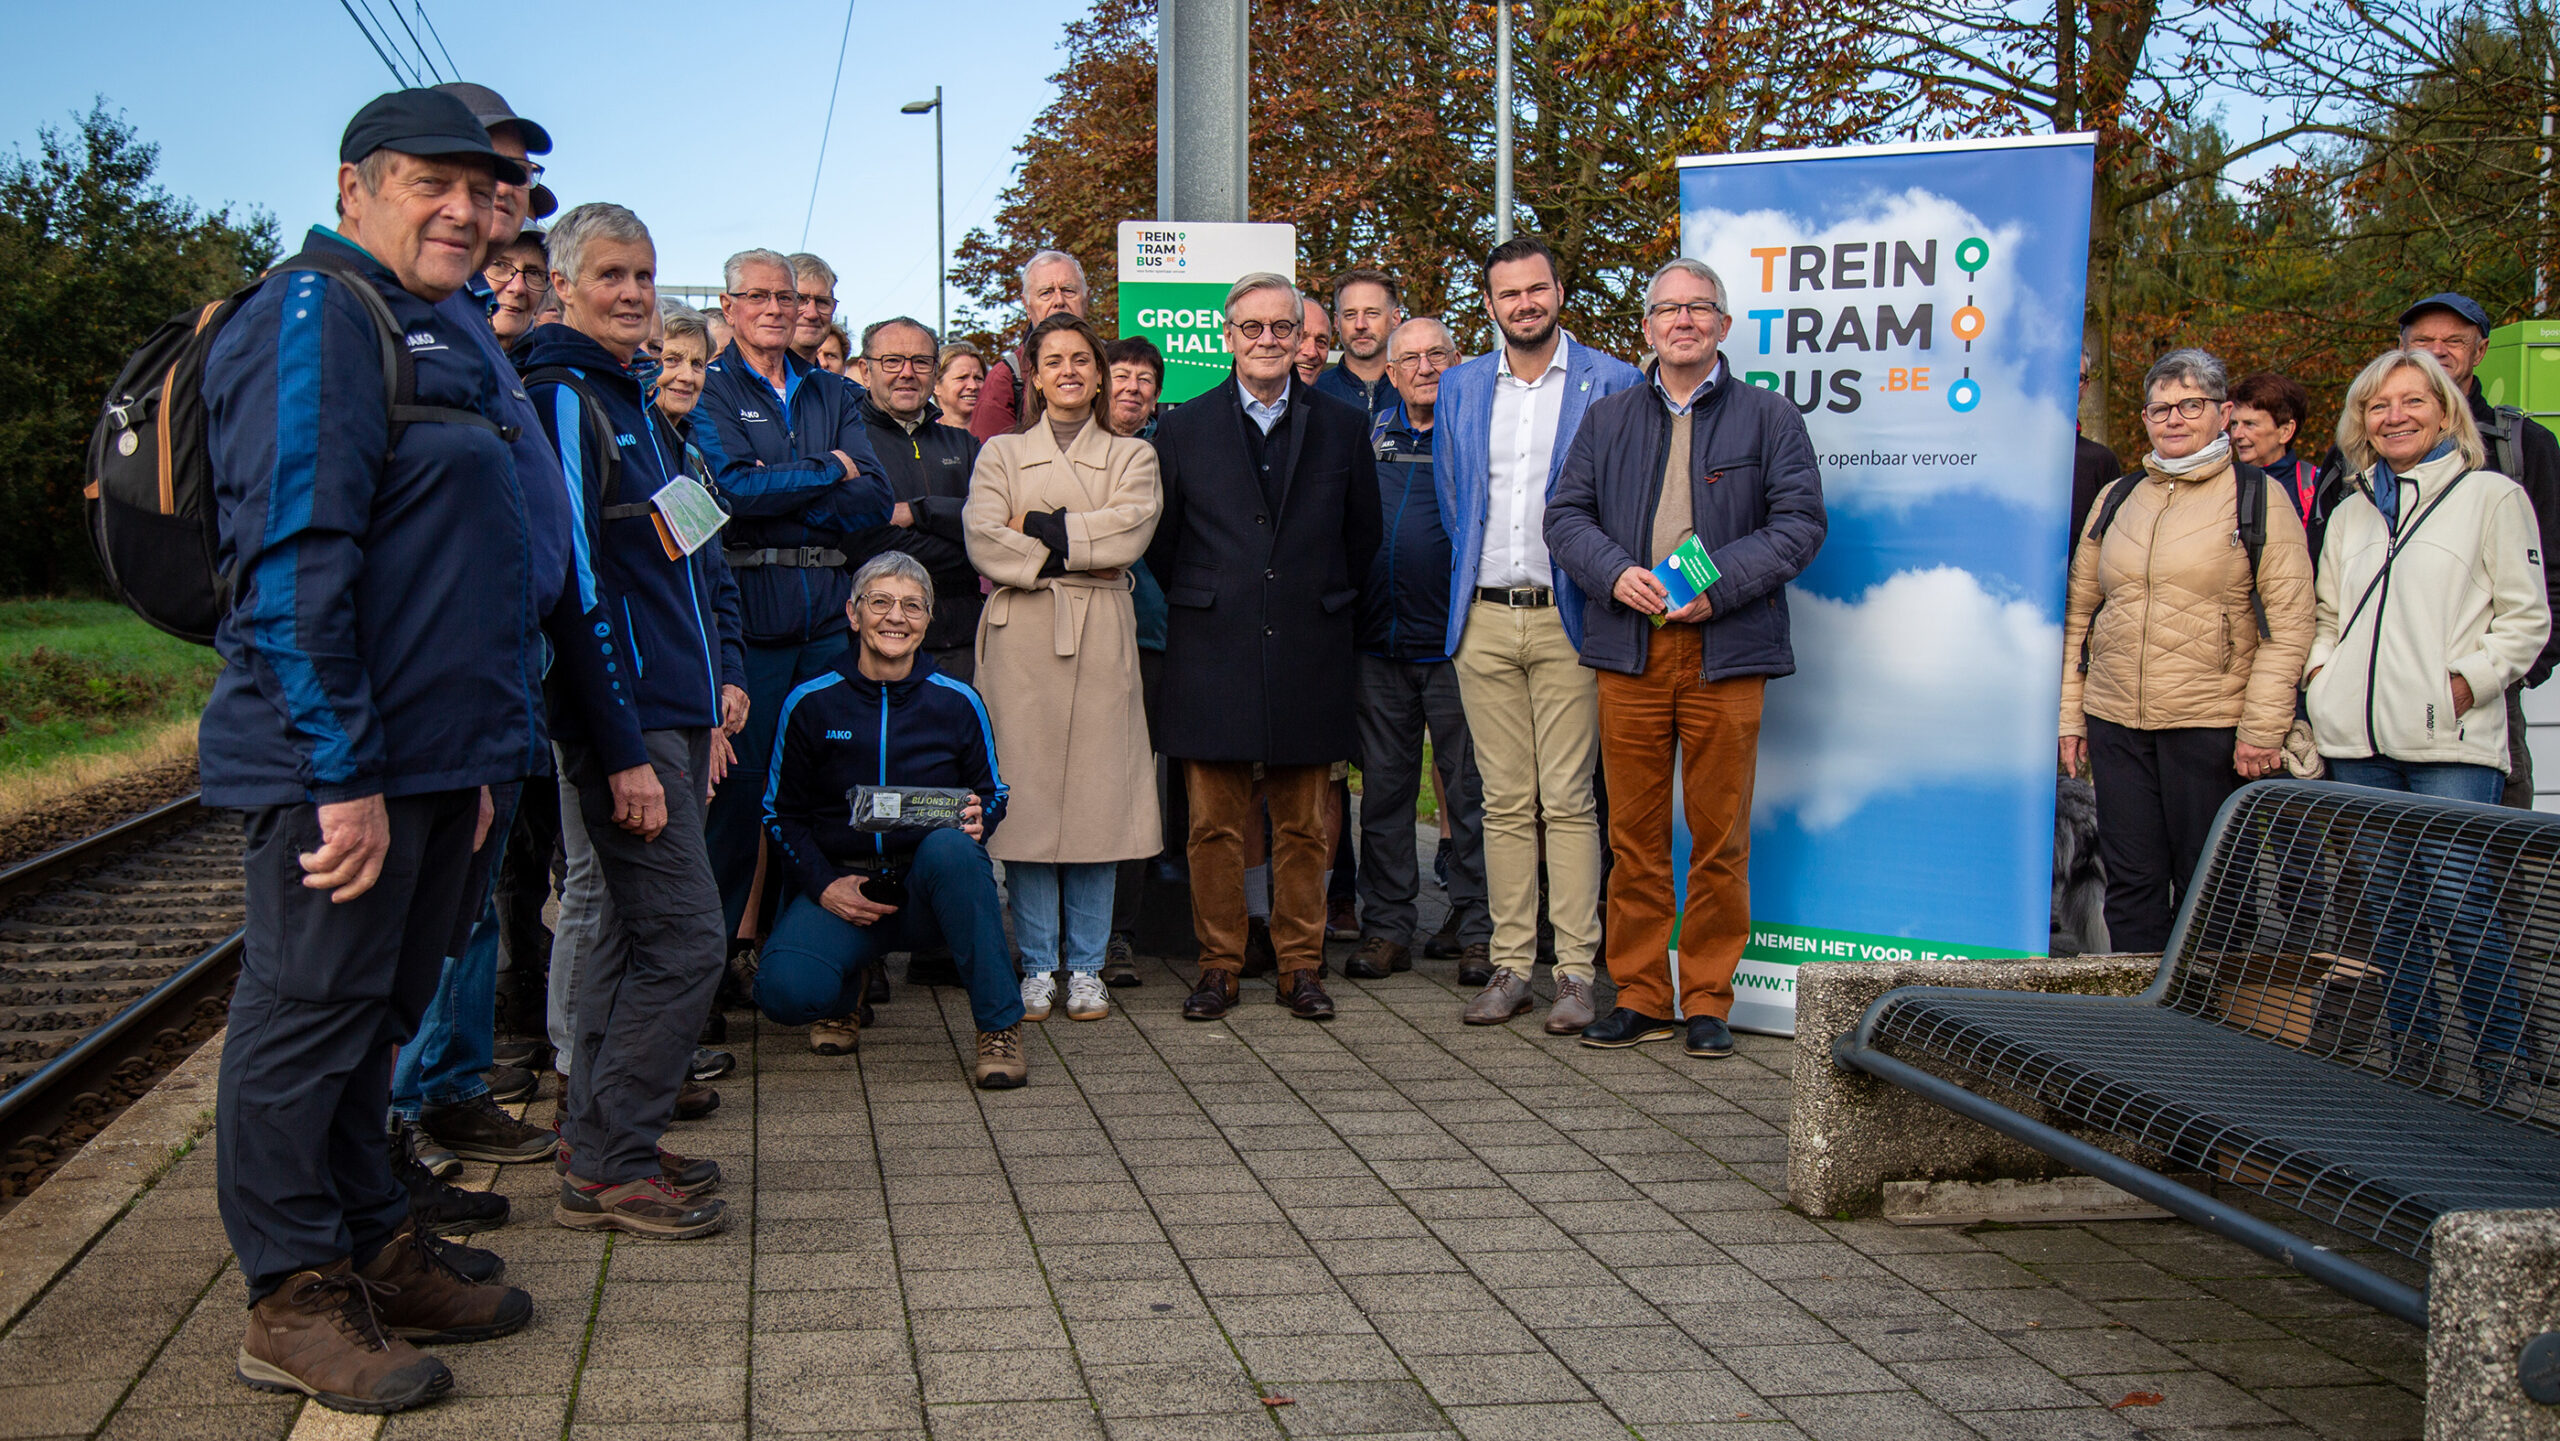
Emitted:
pixel 1038 990
pixel 1087 1000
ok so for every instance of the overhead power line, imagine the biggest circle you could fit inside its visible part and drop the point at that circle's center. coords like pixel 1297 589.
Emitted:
pixel 829 127
pixel 396 77
pixel 429 22
pixel 414 42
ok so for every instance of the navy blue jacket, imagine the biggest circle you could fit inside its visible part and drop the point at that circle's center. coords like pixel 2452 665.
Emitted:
pixel 843 729
pixel 928 466
pixel 1380 402
pixel 386 633
pixel 666 611
pixel 1404 611
pixel 771 455
pixel 1755 498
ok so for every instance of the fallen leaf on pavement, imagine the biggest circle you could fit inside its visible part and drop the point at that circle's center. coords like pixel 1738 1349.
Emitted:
pixel 2139 1398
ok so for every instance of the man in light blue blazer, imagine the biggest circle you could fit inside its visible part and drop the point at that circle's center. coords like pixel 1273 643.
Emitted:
pixel 1515 621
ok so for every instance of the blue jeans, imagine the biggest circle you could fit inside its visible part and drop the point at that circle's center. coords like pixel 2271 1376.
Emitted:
pixel 442 1064
pixel 2444 894
pixel 1038 889
pixel 811 967
pixel 736 819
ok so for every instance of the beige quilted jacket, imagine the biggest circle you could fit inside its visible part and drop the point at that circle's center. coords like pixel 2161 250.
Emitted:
pixel 2175 644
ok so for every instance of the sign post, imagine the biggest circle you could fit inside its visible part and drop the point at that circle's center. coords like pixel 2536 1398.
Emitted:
pixel 1920 305
pixel 1173 290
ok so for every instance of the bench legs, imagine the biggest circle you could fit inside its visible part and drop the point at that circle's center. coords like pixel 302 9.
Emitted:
pixel 2493 1285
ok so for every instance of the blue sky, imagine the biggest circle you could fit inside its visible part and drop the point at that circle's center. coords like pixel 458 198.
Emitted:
pixel 703 118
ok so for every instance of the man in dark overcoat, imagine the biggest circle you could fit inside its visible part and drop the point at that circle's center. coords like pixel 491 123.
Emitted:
pixel 1270 525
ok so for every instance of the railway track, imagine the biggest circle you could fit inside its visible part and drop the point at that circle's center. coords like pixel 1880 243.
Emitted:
pixel 117 954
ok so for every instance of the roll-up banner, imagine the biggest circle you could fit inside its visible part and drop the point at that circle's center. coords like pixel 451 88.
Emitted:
pixel 1921 305
pixel 1174 276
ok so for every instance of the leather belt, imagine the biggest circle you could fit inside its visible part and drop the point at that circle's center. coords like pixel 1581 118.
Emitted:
pixel 1516 596
pixel 807 556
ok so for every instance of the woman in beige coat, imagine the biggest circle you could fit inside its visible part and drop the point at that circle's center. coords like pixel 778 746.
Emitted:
pixel 2171 691
pixel 1057 513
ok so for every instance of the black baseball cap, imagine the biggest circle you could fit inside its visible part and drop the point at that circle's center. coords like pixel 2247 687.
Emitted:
pixel 2462 305
pixel 491 109
pixel 427 123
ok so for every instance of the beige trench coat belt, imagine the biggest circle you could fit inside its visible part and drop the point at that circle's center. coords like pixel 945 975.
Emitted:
pixel 1066 621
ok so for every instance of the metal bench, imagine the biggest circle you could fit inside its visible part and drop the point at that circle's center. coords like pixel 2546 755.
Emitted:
pixel 2354 1018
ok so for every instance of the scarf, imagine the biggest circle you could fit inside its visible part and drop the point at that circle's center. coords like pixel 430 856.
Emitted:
pixel 2203 461
pixel 2385 487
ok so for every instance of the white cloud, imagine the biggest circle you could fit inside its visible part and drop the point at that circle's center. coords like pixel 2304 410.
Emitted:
pixel 2020 444
pixel 1924 680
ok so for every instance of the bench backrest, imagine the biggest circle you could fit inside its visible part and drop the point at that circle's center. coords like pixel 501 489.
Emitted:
pixel 2399 935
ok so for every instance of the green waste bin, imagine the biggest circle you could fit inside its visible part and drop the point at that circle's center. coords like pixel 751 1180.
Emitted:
pixel 2522 369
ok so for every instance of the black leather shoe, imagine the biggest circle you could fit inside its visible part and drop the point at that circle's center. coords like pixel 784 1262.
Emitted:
pixel 1475 966
pixel 1260 959
pixel 1379 958
pixel 1215 996
pixel 1623 1027
pixel 875 991
pixel 1442 944
pixel 1304 995
pixel 1708 1038
pixel 696 1101
pixel 715 1031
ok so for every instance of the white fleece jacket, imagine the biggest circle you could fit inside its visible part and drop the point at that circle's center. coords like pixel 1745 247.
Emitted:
pixel 2465 597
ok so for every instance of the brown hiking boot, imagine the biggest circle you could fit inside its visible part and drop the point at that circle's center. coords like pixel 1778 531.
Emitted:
pixel 1379 958
pixel 696 1101
pixel 646 1207
pixel 1475 964
pixel 481 1130
pixel 317 1336
pixel 1000 1063
pixel 419 1296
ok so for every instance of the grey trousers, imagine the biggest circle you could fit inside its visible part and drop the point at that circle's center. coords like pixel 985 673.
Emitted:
pixel 1397 701
pixel 573 936
pixel 643 990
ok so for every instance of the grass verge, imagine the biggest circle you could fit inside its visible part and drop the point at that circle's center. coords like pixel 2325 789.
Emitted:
pixel 88 692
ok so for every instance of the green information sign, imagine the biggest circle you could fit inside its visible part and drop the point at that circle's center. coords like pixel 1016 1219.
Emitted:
pixel 1173 289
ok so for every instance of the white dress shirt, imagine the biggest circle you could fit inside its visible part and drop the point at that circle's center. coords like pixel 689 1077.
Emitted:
pixel 1265 415
pixel 1526 414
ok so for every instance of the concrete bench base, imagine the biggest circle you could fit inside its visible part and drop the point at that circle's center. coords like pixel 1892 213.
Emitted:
pixel 2493 1284
pixel 1849 1134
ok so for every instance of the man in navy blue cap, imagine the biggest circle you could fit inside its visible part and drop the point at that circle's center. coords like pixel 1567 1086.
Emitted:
pixel 380 673
pixel 2455 330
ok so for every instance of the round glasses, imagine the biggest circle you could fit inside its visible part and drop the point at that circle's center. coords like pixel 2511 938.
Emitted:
pixel 503 273
pixel 2191 408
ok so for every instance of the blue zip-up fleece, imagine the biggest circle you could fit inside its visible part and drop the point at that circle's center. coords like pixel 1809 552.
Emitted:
pixel 771 455
pixel 844 729
pixel 383 632
pixel 1404 609
pixel 665 611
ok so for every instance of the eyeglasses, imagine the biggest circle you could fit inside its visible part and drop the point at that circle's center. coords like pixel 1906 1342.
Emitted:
pixel 1440 356
pixel 1700 311
pixel 1281 330
pixel 901 364
pixel 532 172
pixel 503 273
pixel 2192 408
pixel 787 298
pixel 825 303
pixel 879 606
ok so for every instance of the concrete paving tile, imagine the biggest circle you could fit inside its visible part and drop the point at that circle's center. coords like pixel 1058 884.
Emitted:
pixel 1017 1421
pixel 1130 1259
pixel 1680 1247
pixel 2199 1320
pixel 1547 1422
pixel 2392 1349
pixel 1757 1226
pixel 990 1329
pixel 2193 1398
pixel 1158 1182
pixel 1156 1339
pixel 2285 1297
pixel 1780 1323
pixel 1237 1241
pixel 2118 1281
pixel 1305 1165
pixel 67 1408
pixel 1989 1383
pixel 1356 1223
pixel 1016 1283
pixel 644 1347
pixel 1460 1203
pixel 1255 1427
pixel 1961 1271
pixel 1812 1370
pixel 1282 1361
pixel 1195 1388
pixel 1594 1351
pixel 1314 1314
pixel 270 1419
pixel 1675 1284
pixel 1218 1208
pixel 629 1302
pixel 1454 1333
pixel 697 1393
pixel 50 1360
pixel 851 1309
pixel 1534 1267
pixel 1940 1337
pixel 1385 1258
pixel 962 1253
pixel 1826 1260
pixel 1127 1300
pixel 962 1376
pixel 2088 1424
pixel 482 1418
pixel 2007 1312
pixel 1359 1408
pixel 1664 1397
pixel 1899 1415
pixel 1389 1294
pixel 660 1431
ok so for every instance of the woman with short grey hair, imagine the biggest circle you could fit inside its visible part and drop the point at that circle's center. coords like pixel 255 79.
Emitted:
pixel 2180 645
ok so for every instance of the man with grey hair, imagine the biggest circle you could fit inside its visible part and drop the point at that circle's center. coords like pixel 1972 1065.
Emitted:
pixel 1407 684
pixel 1269 530
pixel 1697 463
pixel 929 465
pixel 1052 281
pixel 816 281
pixel 786 442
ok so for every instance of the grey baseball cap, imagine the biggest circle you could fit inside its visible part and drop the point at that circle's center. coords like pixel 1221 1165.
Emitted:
pixel 491 110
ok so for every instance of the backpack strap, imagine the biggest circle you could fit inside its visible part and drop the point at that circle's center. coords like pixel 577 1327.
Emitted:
pixel 2249 498
pixel 599 436
pixel 399 368
pixel 2117 493
pixel 2505 437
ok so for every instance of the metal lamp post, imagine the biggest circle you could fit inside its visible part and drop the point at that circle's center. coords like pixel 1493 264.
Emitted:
pixel 941 244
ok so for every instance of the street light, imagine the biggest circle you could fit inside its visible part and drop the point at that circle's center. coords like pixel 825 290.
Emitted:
pixel 941 246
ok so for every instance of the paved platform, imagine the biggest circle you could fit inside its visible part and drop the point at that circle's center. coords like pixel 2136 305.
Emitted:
pixel 1392 1225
